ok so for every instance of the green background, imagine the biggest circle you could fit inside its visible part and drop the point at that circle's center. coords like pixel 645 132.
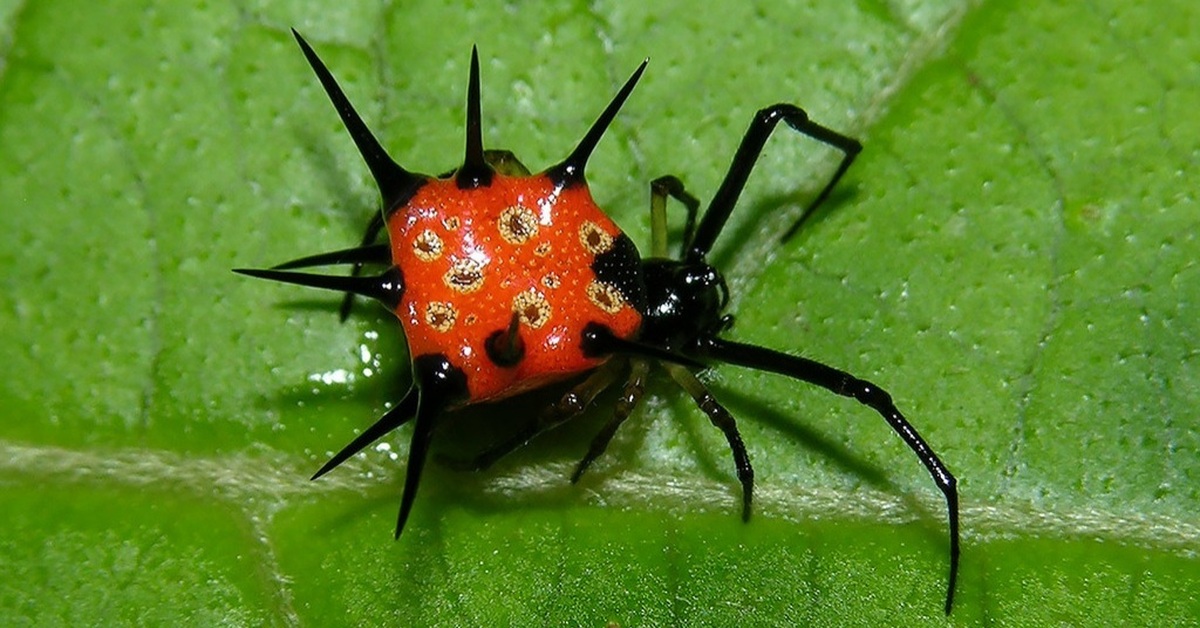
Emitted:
pixel 1013 257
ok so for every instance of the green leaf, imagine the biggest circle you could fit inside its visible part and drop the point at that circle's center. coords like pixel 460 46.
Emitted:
pixel 1013 257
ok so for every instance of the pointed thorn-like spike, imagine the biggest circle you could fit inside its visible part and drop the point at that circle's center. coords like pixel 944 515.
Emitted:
pixel 475 171
pixel 396 185
pixel 439 383
pixel 400 414
pixel 505 347
pixel 388 287
pixel 571 170
pixel 371 254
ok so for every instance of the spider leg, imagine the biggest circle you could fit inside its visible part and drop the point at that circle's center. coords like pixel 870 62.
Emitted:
pixel 864 392
pixel 660 189
pixel 631 394
pixel 720 418
pixel 374 227
pixel 598 340
pixel 373 254
pixel 574 402
pixel 747 155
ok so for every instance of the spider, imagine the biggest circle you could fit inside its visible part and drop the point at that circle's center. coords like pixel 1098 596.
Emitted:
pixel 505 281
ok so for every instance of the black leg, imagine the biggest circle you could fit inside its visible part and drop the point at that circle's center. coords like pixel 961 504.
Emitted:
pixel 488 457
pixel 569 406
pixel 723 421
pixel 400 414
pixel 439 384
pixel 373 254
pixel 631 394
pixel 865 393
pixel 743 163
pixel 598 340
pixel 660 189
pixel 371 234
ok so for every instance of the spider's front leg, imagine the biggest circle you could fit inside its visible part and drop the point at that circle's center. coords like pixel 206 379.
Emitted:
pixel 744 160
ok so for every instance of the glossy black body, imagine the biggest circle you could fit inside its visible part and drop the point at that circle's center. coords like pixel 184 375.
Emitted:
pixel 684 301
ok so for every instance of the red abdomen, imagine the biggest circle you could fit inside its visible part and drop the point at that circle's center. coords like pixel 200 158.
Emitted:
pixel 472 258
